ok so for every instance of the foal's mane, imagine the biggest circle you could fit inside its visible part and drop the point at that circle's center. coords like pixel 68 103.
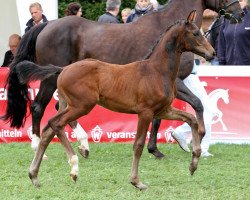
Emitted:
pixel 160 37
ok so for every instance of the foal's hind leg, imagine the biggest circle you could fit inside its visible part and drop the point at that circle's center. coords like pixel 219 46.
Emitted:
pixel 54 126
pixel 71 113
pixel 81 136
pixel 58 124
pixel 42 99
pixel 176 114
pixel 35 165
pixel 152 147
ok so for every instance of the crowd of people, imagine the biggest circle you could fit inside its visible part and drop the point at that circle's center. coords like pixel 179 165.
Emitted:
pixel 231 42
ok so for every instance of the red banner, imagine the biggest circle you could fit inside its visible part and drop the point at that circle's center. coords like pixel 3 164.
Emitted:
pixel 102 125
pixel 227 89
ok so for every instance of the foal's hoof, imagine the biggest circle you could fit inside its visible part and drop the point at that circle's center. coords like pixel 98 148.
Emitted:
pixel 83 151
pixel 156 153
pixel 140 186
pixel 45 157
pixel 34 180
pixel 192 169
pixel 73 177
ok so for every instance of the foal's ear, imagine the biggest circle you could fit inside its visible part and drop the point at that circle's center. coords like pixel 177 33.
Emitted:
pixel 191 16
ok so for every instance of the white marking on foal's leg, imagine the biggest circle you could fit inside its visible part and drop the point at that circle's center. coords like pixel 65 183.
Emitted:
pixel 34 144
pixel 73 162
pixel 81 136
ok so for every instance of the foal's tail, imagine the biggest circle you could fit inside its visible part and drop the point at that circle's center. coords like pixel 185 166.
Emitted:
pixel 21 74
pixel 27 71
pixel 17 92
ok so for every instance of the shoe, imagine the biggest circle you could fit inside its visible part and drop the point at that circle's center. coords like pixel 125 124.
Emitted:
pixel 206 154
pixel 181 141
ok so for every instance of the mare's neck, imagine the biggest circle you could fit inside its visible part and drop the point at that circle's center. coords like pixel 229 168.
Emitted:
pixel 178 9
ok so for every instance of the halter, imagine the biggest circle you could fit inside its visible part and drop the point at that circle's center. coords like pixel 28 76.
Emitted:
pixel 226 14
pixel 206 34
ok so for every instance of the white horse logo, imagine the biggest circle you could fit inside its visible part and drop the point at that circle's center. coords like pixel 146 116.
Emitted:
pixel 214 96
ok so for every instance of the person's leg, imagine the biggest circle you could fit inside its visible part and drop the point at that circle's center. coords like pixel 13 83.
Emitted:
pixel 198 89
pixel 208 116
pixel 180 133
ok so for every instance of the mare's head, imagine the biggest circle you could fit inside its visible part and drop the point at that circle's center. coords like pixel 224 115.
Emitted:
pixel 230 9
pixel 189 38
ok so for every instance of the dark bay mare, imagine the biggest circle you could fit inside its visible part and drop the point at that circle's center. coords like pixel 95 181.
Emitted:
pixel 70 39
pixel 149 93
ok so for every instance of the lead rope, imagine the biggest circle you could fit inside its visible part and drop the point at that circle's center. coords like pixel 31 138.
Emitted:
pixel 206 34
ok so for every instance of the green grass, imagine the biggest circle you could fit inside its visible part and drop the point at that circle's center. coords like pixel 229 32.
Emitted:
pixel 105 175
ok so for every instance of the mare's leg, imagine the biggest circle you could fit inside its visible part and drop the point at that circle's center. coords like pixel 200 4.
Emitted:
pixel 176 114
pixel 47 88
pixel 152 147
pixel 142 127
pixel 185 94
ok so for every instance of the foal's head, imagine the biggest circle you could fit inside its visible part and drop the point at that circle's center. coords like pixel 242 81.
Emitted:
pixel 189 38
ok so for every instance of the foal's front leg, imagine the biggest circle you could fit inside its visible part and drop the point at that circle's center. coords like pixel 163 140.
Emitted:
pixel 142 128
pixel 176 114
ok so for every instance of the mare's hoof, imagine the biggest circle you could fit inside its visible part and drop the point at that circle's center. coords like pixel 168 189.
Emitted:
pixel 83 151
pixel 156 153
pixel 73 177
pixel 140 186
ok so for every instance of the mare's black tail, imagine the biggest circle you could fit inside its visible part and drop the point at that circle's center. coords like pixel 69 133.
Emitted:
pixel 18 92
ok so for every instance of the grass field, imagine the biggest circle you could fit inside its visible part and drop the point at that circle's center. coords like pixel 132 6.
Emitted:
pixel 105 175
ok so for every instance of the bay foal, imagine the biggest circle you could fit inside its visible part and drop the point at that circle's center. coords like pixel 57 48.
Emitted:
pixel 146 88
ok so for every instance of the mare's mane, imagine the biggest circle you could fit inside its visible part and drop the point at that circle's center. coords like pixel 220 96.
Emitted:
pixel 160 37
